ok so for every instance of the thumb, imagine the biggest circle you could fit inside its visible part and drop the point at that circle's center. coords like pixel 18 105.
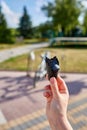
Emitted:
pixel 54 87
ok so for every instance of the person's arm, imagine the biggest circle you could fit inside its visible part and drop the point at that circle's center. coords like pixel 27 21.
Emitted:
pixel 62 124
pixel 57 101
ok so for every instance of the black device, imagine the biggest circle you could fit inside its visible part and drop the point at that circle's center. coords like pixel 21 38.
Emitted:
pixel 52 66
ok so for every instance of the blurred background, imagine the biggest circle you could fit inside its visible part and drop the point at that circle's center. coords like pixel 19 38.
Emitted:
pixel 42 19
pixel 29 22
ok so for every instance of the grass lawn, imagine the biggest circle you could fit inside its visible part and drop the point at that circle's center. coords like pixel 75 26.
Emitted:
pixel 71 60
pixel 9 46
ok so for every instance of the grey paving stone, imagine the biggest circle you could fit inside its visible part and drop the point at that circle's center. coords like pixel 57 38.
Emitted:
pixel 79 113
pixel 30 123
pixel 79 125
pixel 77 104
pixel 16 128
pixel 46 128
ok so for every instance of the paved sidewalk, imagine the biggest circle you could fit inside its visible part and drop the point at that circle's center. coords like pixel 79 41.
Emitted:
pixel 23 107
pixel 8 53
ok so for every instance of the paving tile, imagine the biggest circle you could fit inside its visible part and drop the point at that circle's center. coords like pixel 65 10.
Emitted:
pixel 79 125
pixel 77 103
pixel 27 106
pixel 81 112
pixel 46 128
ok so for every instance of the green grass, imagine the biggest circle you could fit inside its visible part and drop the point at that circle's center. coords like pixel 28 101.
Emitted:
pixel 71 60
pixel 35 40
pixel 9 45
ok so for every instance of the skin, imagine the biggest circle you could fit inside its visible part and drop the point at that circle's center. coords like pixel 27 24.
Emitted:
pixel 57 97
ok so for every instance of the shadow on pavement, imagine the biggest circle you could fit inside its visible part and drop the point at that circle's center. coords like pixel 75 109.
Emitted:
pixel 16 87
pixel 75 87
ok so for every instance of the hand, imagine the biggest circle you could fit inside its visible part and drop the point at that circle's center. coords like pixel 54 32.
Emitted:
pixel 57 101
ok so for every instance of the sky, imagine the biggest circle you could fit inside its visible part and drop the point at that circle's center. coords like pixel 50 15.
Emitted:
pixel 13 10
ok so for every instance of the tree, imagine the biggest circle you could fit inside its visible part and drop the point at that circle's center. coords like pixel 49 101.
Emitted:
pixel 25 25
pixel 85 22
pixel 64 13
pixel 46 29
pixel 5 33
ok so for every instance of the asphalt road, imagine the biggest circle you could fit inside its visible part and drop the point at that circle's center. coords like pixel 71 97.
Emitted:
pixel 8 53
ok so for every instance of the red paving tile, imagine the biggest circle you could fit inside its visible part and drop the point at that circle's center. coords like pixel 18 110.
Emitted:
pixel 19 99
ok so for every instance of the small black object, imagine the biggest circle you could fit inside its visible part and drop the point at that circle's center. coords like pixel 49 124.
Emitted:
pixel 52 66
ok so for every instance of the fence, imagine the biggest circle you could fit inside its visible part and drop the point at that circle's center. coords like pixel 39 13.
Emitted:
pixel 67 39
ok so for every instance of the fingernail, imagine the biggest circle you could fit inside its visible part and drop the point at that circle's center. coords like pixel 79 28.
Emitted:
pixel 52 80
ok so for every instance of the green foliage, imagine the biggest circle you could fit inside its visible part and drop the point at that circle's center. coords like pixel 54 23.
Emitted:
pixel 25 25
pixel 45 30
pixel 85 22
pixel 64 13
pixel 5 33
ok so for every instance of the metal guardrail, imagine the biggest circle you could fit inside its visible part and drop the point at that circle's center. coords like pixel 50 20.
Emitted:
pixel 84 39
pixel 67 39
